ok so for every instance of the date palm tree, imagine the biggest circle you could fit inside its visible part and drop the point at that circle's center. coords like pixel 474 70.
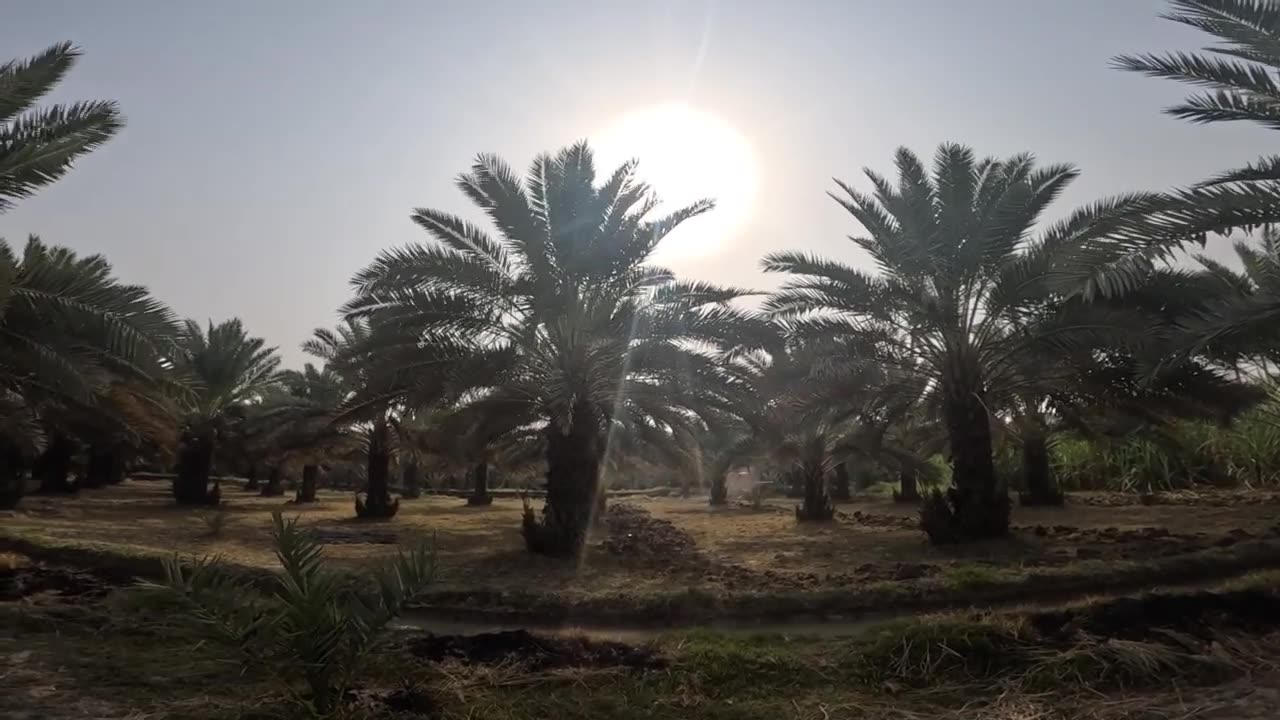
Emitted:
pixel 318 395
pixel 1241 84
pixel 356 353
pixel 69 331
pixel 227 369
pixel 962 273
pixel 562 321
pixel 38 146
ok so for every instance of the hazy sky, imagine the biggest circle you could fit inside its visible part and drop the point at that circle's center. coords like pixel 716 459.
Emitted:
pixel 273 148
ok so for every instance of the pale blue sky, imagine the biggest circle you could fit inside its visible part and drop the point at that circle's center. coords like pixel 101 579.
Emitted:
pixel 273 148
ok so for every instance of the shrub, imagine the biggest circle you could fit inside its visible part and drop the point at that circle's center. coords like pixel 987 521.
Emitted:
pixel 371 509
pixel 922 653
pixel 312 626
pixel 215 522
pixel 957 516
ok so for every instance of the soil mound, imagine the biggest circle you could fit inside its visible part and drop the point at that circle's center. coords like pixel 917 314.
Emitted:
pixel 879 520
pixel 1135 618
pixel 353 536
pixel 633 531
pixel 1201 498
pixel 36 578
pixel 534 651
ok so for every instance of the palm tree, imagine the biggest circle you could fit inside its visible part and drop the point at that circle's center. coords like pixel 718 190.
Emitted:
pixel 227 370
pixel 562 323
pixel 38 146
pixel 1239 312
pixel 69 332
pixel 357 354
pixel 962 276
pixel 320 394
pixel 807 417
pixel 1239 76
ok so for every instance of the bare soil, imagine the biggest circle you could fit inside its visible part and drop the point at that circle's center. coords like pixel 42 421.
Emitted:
pixel 653 546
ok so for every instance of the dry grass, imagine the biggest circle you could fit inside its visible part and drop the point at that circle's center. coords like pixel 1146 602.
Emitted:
pixel 740 551
pixel 128 658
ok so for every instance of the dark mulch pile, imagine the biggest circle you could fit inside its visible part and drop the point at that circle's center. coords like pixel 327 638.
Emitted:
pixel 1135 618
pixel 1199 498
pixel 878 520
pixel 36 578
pixel 632 531
pixel 354 536
pixel 738 577
pixel 535 652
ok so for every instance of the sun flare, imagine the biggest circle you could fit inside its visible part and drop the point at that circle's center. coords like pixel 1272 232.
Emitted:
pixel 687 154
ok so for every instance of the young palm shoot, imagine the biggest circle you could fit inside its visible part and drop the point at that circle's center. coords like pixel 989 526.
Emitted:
pixel 312 630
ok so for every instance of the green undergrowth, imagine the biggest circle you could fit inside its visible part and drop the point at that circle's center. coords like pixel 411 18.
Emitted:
pixel 134 654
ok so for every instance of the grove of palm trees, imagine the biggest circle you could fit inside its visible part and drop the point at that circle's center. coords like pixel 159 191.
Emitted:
pixel 1023 461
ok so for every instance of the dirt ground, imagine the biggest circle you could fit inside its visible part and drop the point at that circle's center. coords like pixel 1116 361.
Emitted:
pixel 652 546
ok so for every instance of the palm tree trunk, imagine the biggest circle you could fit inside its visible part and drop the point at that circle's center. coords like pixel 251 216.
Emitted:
pixel 275 483
pixel 307 491
pixel 480 485
pixel 817 505
pixel 195 459
pixel 840 490
pixel 411 480
pixel 105 467
pixel 573 479
pixel 13 483
pixel 979 508
pixel 118 464
pixel 1037 472
pixel 377 502
pixel 720 489
pixel 908 486
pixel 55 466
pixel 251 478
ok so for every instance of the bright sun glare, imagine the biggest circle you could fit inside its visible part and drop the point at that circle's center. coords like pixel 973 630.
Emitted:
pixel 686 155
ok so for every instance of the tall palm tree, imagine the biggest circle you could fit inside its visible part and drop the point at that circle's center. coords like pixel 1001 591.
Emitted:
pixel 318 396
pixel 354 352
pixel 563 323
pixel 227 369
pixel 38 146
pixel 962 274
pixel 1240 312
pixel 1241 84
pixel 69 331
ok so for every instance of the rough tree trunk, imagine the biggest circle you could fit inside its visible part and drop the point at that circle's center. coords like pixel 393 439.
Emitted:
pixel 377 501
pixel 195 459
pixel 307 491
pixel 1037 473
pixel 121 456
pixel 251 478
pixel 573 479
pixel 106 466
pixel 908 486
pixel 480 485
pixel 840 489
pixel 412 480
pixel 275 483
pixel 975 507
pixel 817 505
pixel 720 489
pixel 55 466
pixel 13 482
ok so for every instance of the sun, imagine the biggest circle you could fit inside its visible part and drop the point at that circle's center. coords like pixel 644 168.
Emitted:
pixel 686 155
